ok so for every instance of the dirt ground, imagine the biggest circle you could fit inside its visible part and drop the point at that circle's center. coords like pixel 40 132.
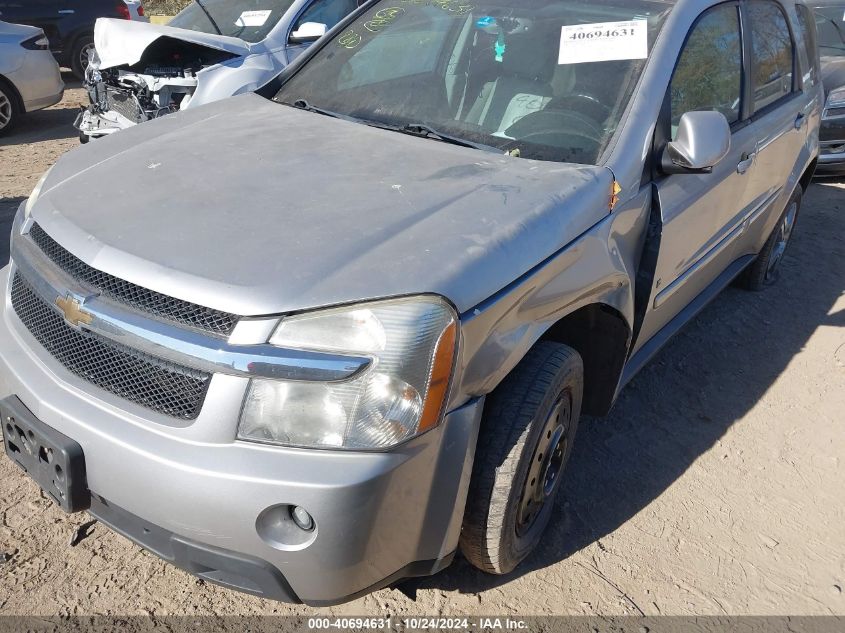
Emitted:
pixel 714 487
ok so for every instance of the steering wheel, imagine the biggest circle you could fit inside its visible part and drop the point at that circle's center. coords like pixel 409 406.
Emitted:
pixel 583 103
pixel 547 124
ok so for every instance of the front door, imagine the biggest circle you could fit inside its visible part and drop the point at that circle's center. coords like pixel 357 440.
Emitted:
pixel 702 213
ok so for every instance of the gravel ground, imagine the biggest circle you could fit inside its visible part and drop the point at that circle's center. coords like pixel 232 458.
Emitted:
pixel 714 487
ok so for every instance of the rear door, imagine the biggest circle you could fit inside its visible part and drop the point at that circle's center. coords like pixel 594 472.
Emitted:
pixel 780 110
pixel 702 213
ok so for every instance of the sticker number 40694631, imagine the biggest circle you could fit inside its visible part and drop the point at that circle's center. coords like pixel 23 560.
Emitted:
pixel 603 41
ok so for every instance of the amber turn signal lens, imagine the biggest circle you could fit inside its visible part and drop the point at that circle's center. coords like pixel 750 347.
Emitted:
pixel 438 384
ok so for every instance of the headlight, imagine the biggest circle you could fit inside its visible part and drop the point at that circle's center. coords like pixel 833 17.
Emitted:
pixel 33 197
pixel 836 98
pixel 401 393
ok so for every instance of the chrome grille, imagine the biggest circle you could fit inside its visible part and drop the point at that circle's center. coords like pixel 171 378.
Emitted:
pixel 156 384
pixel 134 296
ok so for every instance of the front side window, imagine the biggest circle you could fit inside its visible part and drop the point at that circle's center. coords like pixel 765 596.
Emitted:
pixel 830 23
pixel 543 79
pixel 709 71
pixel 772 54
pixel 249 20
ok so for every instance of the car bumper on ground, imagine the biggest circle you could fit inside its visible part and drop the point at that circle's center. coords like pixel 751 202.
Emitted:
pixel 222 510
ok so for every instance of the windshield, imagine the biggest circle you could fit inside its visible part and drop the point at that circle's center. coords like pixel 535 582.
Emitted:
pixel 542 79
pixel 830 22
pixel 250 20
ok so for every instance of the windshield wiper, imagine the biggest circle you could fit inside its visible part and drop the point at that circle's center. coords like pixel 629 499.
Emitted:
pixel 208 15
pixel 424 130
pixel 302 104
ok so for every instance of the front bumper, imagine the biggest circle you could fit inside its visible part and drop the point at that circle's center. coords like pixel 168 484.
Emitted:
pixel 379 516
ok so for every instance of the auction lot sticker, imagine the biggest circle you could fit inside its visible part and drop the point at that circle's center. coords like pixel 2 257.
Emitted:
pixel 253 18
pixel 603 42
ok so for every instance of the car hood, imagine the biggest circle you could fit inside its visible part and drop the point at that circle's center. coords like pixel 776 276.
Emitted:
pixel 120 42
pixel 257 208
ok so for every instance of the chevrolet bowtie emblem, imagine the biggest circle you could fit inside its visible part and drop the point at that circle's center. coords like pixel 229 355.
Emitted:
pixel 72 309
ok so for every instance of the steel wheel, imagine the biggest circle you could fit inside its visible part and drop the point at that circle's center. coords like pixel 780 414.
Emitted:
pixel 783 233
pixel 524 443
pixel 546 464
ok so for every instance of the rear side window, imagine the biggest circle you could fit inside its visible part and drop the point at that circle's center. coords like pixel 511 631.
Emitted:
pixel 772 53
pixel 709 71
pixel 808 32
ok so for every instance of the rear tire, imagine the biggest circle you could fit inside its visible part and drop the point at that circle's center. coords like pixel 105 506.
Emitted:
pixel 79 55
pixel 763 271
pixel 526 438
pixel 9 108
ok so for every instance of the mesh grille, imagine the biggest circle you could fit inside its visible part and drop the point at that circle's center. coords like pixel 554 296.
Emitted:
pixel 124 103
pixel 151 382
pixel 154 303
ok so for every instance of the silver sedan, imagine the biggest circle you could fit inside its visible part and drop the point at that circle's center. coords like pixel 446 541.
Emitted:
pixel 29 75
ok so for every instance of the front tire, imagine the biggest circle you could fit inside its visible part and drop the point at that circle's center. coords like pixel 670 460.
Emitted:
pixel 763 271
pixel 526 438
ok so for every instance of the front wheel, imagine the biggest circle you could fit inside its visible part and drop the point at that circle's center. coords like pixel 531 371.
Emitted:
pixel 526 438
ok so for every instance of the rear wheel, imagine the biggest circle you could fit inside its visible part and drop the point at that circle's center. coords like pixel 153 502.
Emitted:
pixel 526 438
pixel 763 271
pixel 79 55
pixel 9 109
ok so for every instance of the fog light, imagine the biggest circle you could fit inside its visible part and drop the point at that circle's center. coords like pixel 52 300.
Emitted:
pixel 302 519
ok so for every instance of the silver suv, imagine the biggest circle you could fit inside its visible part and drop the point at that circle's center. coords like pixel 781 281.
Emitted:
pixel 309 343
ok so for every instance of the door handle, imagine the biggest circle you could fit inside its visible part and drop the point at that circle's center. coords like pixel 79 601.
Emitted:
pixel 799 120
pixel 66 11
pixel 745 163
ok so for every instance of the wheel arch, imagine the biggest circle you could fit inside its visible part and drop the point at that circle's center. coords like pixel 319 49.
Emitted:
pixel 602 337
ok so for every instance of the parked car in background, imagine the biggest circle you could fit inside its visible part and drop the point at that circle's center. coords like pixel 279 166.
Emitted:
pixel 69 24
pixel 213 49
pixel 830 22
pixel 29 75
pixel 308 346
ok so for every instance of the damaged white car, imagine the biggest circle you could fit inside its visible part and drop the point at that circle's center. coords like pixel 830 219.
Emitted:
pixel 212 50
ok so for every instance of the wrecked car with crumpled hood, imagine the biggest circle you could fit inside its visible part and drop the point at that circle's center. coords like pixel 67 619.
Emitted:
pixel 213 49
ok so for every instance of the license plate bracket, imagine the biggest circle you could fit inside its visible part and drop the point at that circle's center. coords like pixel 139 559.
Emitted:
pixel 53 460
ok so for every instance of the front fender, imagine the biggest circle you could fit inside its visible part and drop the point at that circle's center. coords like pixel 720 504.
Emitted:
pixel 599 267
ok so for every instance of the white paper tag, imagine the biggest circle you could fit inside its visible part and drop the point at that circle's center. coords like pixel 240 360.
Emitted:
pixel 603 42
pixel 253 18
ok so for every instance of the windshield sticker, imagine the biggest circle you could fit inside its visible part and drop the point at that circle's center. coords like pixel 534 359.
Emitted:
pixel 384 17
pixel 349 39
pixel 253 18
pixel 603 42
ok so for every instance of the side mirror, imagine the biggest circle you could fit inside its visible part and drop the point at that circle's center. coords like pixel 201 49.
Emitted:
pixel 308 32
pixel 703 139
